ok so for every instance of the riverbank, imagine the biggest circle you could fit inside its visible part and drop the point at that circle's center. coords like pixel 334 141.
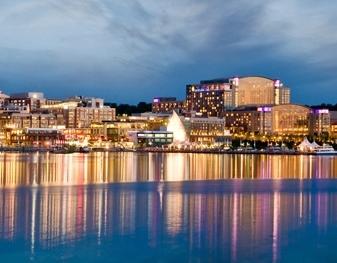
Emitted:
pixel 156 150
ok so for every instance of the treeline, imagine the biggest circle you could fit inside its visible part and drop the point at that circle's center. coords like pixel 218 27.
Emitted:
pixel 130 109
pixel 145 107
pixel 331 107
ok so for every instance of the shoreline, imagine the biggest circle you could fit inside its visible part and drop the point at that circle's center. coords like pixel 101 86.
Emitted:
pixel 156 150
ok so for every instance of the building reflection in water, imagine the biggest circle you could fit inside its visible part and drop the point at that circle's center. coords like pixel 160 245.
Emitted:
pixel 234 226
pixel 102 168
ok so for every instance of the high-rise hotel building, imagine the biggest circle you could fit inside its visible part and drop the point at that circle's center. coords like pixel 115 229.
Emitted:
pixel 214 97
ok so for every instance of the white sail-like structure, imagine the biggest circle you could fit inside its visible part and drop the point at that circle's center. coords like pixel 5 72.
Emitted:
pixel 315 144
pixel 306 146
pixel 176 125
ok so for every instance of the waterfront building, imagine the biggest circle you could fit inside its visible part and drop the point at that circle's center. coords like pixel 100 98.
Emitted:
pixel 259 91
pixel 54 101
pixel 36 137
pixel 154 121
pixel 81 112
pixel 167 105
pixel 320 121
pixel 211 98
pixel 154 138
pixel 27 120
pixel 333 130
pixel 333 116
pixel 208 130
pixel 77 135
pixel 3 98
pixel 333 123
pixel 83 117
pixel 117 131
pixel 26 101
pixel 286 119
pixel 248 119
pixel 290 119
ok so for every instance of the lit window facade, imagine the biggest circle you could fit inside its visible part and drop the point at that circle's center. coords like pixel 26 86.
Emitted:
pixel 320 121
pixel 211 98
pixel 154 138
pixel 208 99
pixel 208 130
pixel 290 119
pixel 287 119
pixel 249 119
pixel 167 105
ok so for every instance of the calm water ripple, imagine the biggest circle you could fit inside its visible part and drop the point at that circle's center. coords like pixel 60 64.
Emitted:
pixel 102 168
pixel 177 207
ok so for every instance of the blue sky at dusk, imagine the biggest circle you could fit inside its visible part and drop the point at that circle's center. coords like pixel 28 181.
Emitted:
pixel 128 51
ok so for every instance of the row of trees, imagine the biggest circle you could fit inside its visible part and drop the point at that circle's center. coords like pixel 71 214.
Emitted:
pixel 129 109
pixel 331 107
pixel 145 107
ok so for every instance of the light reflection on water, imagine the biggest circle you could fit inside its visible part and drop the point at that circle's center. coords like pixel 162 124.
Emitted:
pixel 142 223
pixel 98 168
pixel 177 207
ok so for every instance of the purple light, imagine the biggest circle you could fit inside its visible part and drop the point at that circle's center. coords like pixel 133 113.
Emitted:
pixel 156 100
pixel 235 81
pixel 201 90
pixel 264 109
pixel 322 111
pixel 277 83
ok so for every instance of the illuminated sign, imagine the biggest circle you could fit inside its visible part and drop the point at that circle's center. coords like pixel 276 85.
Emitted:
pixel 235 81
pixel 200 90
pixel 323 111
pixel 156 100
pixel 264 109
pixel 278 83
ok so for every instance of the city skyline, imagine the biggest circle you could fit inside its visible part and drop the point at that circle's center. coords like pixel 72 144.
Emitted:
pixel 150 100
pixel 155 49
pixel 168 131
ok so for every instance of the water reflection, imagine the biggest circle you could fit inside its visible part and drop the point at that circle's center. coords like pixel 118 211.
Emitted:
pixel 162 224
pixel 98 168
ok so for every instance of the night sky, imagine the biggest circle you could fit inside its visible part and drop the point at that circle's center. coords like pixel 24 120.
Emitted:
pixel 129 50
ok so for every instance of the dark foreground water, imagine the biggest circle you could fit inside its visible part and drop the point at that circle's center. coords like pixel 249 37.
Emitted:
pixel 91 214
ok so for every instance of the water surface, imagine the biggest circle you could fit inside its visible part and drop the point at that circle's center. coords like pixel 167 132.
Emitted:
pixel 174 207
pixel 102 168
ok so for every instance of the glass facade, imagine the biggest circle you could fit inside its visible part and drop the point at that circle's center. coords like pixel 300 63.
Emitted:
pixel 255 91
pixel 290 119
pixel 212 98
pixel 154 138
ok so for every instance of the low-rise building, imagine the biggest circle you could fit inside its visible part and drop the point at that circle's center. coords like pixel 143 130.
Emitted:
pixel 285 119
pixel 290 119
pixel 248 119
pixel 26 101
pixel 81 112
pixel 208 130
pixel 154 138
pixel 27 120
pixel 320 121
pixel 167 105
pixel 36 137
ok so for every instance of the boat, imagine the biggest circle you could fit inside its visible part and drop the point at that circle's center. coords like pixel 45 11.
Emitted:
pixel 326 149
pixel 314 148
pixel 84 150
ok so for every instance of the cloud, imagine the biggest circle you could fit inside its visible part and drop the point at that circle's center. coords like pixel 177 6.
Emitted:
pixel 112 46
